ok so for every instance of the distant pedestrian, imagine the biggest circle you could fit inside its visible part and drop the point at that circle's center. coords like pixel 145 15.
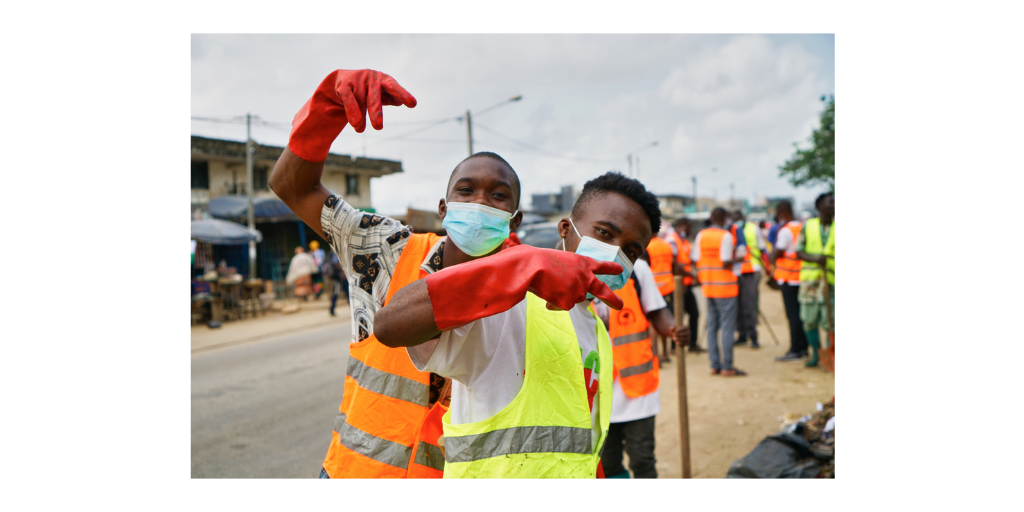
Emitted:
pixel 318 257
pixel 339 282
pixel 662 262
pixel 816 246
pixel 773 233
pixel 787 274
pixel 300 272
pixel 684 267
pixel 713 250
pixel 749 279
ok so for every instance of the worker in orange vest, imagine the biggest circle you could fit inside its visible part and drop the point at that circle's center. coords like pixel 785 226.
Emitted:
pixel 635 396
pixel 390 415
pixel 787 274
pixel 662 263
pixel 676 238
pixel 713 252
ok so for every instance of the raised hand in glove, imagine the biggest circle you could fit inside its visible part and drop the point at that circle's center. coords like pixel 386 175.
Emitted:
pixel 477 289
pixel 344 97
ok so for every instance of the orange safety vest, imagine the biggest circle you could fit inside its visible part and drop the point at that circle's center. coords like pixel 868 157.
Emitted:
pixel 683 257
pixel 715 282
pixel 747 267
pixel 660 254
pixel 787 267
pixel 634 363
pixel 381 430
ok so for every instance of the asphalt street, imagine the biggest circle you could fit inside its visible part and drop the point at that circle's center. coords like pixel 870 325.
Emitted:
pixel 265 409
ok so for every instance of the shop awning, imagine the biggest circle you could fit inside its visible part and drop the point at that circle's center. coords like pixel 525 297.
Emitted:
pixel 236 208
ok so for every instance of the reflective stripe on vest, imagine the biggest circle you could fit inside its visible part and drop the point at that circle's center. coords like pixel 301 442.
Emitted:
pixel 384 383
pixel 429 455
pixel 634 360
pixel 753 259
pixel 684 256
pixel 660 254
pixel 812 246
pixel 716 282
pixel 787 267
pixel 545 431
pixel 514 440
pixel 369 445
pixel 384 406
pixel 630 338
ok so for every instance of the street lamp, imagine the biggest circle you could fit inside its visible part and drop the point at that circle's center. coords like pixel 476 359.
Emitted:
pixel 629 157
pixel 469 119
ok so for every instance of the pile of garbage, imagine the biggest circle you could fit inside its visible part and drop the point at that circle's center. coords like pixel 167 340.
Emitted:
pixel 805 448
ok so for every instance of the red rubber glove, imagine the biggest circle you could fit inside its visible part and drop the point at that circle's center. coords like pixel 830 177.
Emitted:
pixel 511 241
pixel 488 286
pixel 343 98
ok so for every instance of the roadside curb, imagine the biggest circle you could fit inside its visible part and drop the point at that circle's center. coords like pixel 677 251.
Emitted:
pixel 266 336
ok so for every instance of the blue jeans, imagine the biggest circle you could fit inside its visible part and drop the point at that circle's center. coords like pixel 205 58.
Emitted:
pixel 721 317
pixel 323 474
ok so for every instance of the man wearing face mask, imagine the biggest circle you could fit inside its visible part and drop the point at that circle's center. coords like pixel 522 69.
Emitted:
pixel 530 363
pixel 389 418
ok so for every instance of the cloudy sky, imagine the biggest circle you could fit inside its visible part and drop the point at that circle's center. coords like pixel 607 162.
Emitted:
pixel 734 103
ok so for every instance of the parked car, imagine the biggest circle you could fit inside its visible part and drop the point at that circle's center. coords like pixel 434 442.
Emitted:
pixel 543 235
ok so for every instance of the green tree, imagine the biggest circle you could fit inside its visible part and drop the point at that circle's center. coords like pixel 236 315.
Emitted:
pixel 818 163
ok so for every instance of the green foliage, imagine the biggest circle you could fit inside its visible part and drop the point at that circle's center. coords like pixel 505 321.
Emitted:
pixel 816 165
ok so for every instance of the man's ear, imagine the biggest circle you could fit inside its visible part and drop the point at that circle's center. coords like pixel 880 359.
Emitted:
pixel 442 208
pixel 517 219
pixel 564 227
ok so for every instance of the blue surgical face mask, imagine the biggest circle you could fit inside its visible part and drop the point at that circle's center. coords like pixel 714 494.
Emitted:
pixel 601 251
pixel 475 228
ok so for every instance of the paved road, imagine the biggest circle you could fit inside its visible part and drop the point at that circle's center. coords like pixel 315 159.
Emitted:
pixel 265 409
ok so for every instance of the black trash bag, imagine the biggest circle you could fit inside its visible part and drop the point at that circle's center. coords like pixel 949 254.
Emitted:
pixel 782 455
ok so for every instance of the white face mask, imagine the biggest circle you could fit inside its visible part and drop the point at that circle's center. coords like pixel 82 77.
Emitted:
pixel 601 251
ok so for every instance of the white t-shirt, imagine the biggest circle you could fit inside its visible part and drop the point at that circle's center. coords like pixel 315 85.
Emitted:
pixel 486 359
pixel 785 242
pixel 625 408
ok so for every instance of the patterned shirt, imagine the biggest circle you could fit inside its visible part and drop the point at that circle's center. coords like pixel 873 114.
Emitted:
pixel 368 246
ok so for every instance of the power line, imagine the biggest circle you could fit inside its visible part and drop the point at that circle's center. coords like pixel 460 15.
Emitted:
pixel 549 153
pixel 240 120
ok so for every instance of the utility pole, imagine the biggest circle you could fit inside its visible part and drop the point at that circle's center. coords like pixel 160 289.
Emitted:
pixel 629 158
pixel 250 149
pixel 469 131
pixel 637 167
pixel 732 196
pixel 694 193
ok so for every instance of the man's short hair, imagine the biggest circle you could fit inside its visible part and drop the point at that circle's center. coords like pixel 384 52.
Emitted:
pixel 718 214
pixel 615 182
pixel 817 202
pixel 492 156
pixel 784 206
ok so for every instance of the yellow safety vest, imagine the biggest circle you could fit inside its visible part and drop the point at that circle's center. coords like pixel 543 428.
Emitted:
pixel 750 233
pixel 545 432
pixel 812 246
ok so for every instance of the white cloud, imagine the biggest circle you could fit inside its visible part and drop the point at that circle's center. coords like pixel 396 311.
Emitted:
pixel 732 102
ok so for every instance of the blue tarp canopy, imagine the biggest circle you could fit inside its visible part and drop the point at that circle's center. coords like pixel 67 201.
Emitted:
pixel 236 208
pixel 222 232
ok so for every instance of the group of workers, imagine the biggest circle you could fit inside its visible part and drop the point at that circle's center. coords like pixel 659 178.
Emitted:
pixel 472 356
pixel 730 255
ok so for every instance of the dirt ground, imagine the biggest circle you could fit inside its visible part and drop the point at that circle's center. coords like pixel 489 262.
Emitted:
pixel 730 415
